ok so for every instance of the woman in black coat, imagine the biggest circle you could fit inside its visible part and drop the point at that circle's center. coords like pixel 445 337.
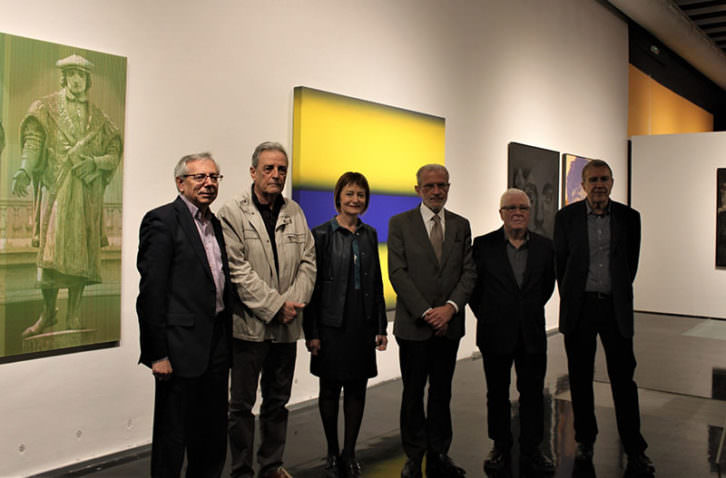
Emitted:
pixel 345 320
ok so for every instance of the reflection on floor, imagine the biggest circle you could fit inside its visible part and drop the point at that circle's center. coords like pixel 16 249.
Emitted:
pixel 682 376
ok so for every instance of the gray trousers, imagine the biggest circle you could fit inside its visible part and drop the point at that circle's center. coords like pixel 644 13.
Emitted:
pixel 275 364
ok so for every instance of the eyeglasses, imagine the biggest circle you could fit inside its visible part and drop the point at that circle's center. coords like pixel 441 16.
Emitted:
pixel 201 177
pixel 512 208
pixel 430 186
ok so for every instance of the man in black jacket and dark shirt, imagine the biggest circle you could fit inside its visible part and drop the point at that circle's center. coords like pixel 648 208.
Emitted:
pixel 515 278
pixel 597 246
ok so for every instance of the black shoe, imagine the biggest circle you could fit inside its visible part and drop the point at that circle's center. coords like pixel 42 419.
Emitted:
pixel 439 465
pixel 349 468
pixel 332 467
pixel 639 465
pixel 496 460
pixel 536 462
pixel 583 454
pixel 412 469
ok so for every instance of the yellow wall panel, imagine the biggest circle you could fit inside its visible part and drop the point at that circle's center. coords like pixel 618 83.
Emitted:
pixel 674 114
pixel 639 114
pixel 654 109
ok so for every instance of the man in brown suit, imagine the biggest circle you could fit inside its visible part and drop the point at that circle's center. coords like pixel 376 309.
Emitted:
pixel 431 269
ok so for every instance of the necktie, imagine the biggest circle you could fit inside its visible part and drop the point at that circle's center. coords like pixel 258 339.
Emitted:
pixel 437 237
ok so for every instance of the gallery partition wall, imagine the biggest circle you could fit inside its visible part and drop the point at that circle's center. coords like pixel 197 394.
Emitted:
pixel 674 186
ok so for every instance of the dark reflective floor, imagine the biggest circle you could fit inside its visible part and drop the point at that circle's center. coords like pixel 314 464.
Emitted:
pixel 682 378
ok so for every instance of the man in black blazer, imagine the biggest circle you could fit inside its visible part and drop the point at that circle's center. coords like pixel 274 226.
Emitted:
pixel 597 245
pixel 432 272
pixel 184 320
pixel 515 279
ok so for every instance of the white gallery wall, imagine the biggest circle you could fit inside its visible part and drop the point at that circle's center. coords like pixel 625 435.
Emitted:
pixel 219 76
pixel 674 188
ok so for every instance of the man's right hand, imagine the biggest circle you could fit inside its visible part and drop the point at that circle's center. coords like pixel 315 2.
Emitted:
pixel 288 311
pixel 162 369
pixel 21 181
pixel 313 346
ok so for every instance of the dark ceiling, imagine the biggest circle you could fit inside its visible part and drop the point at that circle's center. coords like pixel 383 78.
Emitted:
pixel 709 16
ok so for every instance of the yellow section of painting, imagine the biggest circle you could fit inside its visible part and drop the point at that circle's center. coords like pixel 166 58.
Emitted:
pixel 334 133
pixel 388 291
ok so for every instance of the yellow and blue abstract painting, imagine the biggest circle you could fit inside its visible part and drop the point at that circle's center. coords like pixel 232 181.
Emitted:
pixel 333 134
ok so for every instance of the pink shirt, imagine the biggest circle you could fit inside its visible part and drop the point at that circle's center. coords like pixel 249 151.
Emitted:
pixel 211 247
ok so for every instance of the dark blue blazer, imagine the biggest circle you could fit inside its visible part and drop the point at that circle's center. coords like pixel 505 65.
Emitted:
pixel 177 295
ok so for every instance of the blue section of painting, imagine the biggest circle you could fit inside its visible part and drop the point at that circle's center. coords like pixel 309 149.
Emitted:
pixel 319 208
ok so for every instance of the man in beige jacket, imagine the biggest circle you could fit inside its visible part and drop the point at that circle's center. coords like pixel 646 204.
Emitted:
pixel 272 266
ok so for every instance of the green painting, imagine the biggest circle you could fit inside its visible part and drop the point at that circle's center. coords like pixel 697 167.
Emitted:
pixel 61 149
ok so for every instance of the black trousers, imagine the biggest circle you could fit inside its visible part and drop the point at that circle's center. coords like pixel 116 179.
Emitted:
pixel 597 318
pixel 275 362
pixel 190 414
pixel 531 368
pixel 431 360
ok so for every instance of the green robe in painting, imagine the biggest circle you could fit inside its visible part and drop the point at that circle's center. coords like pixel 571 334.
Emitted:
pixel 59 132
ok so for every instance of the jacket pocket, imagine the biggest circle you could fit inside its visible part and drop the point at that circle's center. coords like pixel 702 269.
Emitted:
pixel 295 238
pixel 251 234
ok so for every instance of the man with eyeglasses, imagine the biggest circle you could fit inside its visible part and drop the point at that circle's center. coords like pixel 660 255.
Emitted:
pixel 184 311
pixel 431 270
pixel 597 246
pixel 515 279
pixel 272 260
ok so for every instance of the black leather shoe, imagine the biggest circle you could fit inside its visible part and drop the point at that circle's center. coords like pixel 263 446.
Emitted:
pixel 350 468
pixel 412 469
pixel 639 465
pixel 536 462
pixel 583 454
pixel 496 460
pixel 439 465
pixel 332 467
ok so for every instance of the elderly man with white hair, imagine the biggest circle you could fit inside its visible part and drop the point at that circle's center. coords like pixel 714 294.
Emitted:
pixel 515 278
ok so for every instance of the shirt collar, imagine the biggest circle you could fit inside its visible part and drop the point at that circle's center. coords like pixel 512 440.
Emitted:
pixel 428 214
pixel 506 239
pixel 275 207
pixel 194 210
pixel 589 208
pixel 335 225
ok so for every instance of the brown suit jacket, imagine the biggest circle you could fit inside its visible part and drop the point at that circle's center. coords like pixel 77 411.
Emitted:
pixel 420 281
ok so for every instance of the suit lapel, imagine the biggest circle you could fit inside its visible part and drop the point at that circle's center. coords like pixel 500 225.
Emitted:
pixel 220 241
pixel 533 252
pixel 580 220
pixel 190 229
pixel 614 230
pixel 418 229
pixel 449 236
pixel 503 258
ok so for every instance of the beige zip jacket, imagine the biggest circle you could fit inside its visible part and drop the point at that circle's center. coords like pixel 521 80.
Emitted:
pixel 261 290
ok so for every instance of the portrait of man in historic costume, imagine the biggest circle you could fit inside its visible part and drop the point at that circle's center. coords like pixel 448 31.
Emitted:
pixel 70 150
